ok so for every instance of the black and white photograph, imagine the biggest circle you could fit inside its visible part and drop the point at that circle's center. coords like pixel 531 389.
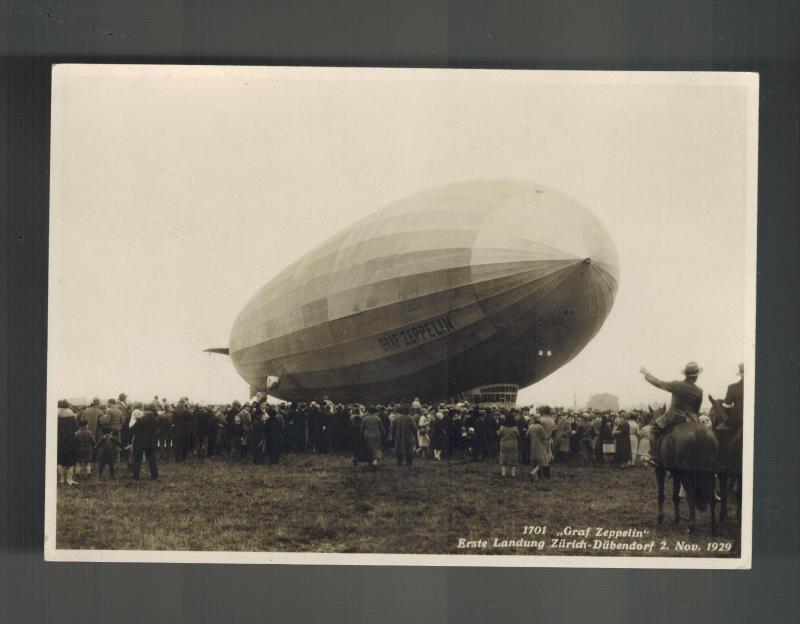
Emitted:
pixel 455 317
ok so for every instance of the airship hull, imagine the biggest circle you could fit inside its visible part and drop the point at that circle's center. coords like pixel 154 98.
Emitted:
pixel 492 281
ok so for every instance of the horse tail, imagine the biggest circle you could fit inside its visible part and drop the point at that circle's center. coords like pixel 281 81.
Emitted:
pixel 703 486
pixel 703 475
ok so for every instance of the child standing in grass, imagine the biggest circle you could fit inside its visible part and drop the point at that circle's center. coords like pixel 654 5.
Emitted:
pixel 85 447
pixel 107 448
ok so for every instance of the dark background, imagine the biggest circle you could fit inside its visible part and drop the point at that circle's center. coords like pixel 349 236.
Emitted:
pixel 583 34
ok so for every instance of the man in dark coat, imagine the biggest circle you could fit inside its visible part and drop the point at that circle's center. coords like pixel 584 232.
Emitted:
pixel 479 444
pixel 341 423
pixel 404 434
pixel 274 434
pixel 492 432
pixel 164 435
pixel 458 433
pixel 181 429
pixel 256 442
pixel 197 434
pixel 734 401
pixel 230 426
pixel 325 429
pixel 145 431
pixel 383 414
pixel 299 428
pixel 524 449
pixel 314 420
pixel 687 396
pixel 211 430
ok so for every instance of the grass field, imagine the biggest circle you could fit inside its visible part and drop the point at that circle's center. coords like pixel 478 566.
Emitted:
pixel 321 503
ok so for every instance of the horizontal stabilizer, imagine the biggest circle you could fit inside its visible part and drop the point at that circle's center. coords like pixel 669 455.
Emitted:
pixel 221 350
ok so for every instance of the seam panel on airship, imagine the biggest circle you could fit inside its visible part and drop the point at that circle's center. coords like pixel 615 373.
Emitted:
pixel 368 295
pixel 415 307
pixel 504 308
pixel 406 363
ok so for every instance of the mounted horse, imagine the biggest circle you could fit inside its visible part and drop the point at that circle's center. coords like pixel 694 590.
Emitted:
pixel 688 451
pixel 728 465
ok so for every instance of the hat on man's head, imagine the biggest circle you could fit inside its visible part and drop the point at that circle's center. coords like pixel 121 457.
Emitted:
pixel 741 369
pixel 95 401
pixel 692 369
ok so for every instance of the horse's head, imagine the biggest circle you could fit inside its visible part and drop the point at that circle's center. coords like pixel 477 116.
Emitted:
pixel 718 413
pixel 655 413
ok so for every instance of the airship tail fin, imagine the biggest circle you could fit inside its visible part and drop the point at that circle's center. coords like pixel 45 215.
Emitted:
pixel 220 350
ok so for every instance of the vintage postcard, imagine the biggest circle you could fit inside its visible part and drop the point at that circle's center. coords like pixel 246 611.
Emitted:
pixel 401 316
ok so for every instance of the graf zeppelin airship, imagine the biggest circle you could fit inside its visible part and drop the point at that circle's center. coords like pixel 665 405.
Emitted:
pixel 457 288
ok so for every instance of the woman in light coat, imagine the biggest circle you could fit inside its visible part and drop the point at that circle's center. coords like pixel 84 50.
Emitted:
pixel 424 434
pixel 372 436
pixel 509 445
pixel 644 443
pixel 634 427
pixel 539 444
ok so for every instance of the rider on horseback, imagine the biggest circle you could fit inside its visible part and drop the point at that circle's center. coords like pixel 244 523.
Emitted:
pixel 687 397
pixel 733 401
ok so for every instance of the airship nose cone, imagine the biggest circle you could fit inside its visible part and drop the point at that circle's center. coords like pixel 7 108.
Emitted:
pixel 539 224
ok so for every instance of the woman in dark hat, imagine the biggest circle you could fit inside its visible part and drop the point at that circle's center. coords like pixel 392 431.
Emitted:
pixel 607 445
pixel 67 443
pixel 622 439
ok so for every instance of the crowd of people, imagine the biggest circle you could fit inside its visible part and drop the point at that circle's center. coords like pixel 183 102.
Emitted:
pixel 95 437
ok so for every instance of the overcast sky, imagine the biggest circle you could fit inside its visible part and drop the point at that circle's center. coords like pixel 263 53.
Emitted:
pixel 177 192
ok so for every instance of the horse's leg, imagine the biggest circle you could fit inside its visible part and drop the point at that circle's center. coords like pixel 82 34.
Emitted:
pixel 739 498
pixel 690 496
pixel 676 494
pixel 713 504
pixel 661 475
pixel 723 492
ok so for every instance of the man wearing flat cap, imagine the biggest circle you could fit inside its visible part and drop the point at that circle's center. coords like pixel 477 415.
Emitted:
pixel 687 397
pixel 92 416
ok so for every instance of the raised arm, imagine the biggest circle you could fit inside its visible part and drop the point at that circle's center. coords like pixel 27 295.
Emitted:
pixel 652 379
